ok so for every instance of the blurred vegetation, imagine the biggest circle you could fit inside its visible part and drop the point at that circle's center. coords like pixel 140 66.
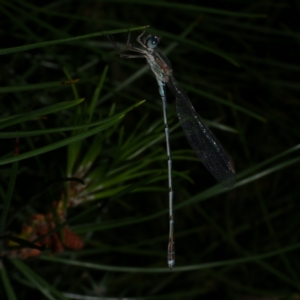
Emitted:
pixel 80 148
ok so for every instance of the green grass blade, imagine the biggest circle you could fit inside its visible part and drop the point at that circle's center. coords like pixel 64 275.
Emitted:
pixel 7 200
pixel 193 8
pixel 6 283
pixel 39 112
pixel 61 143
pixel 37 86
pixel 43 286
pixel 65 40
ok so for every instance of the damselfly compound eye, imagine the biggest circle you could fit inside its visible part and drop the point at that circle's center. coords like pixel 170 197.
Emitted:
pixel 152 42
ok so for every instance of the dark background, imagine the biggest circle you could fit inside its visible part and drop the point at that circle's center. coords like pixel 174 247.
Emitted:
pixel 239 63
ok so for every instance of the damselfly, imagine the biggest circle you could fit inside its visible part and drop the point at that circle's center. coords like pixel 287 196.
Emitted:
pixel 201 139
